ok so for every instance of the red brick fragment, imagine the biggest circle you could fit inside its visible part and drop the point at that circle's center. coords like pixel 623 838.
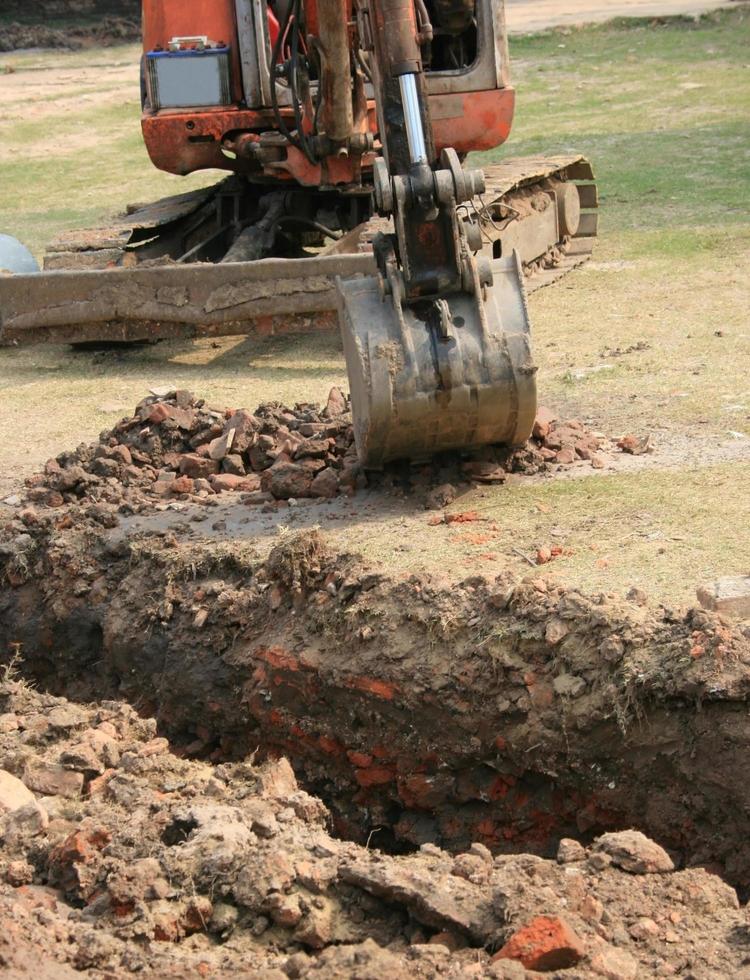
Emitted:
pixel 159 413
pixel 370 685
pixel 565 456
pixel 195 466
pixel 544 419
pixel 230 481
pixel 73 863
pixel 545 943
pixel 374 776
pixel 182 484
pixel 464 517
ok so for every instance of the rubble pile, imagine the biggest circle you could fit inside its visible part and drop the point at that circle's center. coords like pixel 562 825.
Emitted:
pixel 442 730
pixel 120 857
pixel 177 447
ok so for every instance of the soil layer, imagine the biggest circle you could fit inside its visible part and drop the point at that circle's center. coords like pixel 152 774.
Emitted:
pixel 125 858
pixel 508 713
pixel 424 710
pixel 479 718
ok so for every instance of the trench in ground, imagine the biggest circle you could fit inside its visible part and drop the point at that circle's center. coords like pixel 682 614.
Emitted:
pixel 511 714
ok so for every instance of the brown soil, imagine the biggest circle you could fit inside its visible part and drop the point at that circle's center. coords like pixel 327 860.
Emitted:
pixel 433 717
pixel 106 31
pixel 132 859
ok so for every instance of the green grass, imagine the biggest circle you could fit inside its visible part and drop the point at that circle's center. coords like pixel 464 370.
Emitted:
pixel 74 167
pixel 662 112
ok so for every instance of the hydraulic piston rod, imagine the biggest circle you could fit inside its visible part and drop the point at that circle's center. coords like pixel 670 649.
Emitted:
pixel 412 118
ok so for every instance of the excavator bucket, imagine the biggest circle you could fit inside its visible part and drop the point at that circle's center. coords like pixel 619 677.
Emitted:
pixel 422 384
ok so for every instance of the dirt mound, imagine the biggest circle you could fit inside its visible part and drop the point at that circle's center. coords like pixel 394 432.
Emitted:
pixel 177 447
pixel 124 857
pixel 106 31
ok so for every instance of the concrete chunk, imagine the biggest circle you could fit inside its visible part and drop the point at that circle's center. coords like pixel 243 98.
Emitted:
pixel 634 852
pixel 52 780
pixel 729 596
pixel 13 793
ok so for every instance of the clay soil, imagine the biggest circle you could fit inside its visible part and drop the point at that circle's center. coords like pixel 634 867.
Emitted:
pixel 277 759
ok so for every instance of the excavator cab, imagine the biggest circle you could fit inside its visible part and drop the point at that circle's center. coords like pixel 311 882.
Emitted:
pixel 437 341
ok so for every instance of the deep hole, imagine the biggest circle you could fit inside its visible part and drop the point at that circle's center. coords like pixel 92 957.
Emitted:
pixel 395 830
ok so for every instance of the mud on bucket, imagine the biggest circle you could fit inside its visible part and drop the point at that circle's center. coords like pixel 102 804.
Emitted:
pixel 416 393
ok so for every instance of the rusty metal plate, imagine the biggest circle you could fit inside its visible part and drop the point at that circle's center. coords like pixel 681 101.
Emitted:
pixel 196 299
pixel 521 171
pixel 118 232
pixel 173 208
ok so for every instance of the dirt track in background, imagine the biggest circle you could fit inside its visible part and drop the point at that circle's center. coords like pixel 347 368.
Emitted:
pixel 524 16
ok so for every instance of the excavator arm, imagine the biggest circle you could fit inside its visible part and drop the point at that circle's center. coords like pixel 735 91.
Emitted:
pixel 437 344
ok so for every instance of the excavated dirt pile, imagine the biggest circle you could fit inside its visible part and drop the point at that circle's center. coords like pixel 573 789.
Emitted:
pixel 119 857
pixel 106 31
pixel 177 447
pixel 483 755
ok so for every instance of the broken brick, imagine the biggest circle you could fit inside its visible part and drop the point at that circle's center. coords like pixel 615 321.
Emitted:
pixel 544 419
pixel 229 481
pixel 194 466
pixel 543 944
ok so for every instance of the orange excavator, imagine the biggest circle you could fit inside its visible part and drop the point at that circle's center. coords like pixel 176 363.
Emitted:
pixel 345 127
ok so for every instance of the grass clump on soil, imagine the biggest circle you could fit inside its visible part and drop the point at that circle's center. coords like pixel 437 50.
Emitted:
pixel 195 560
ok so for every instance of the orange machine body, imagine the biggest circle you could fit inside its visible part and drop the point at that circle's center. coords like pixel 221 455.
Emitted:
pixel 184 140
